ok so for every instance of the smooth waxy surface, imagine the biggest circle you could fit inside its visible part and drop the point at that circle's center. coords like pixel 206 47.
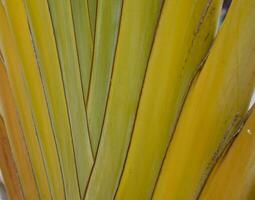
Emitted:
pixel 107 28
pixel 84 40
pixel 234 175
pixel 132 54
pixel 76 164
pixel 214 107
pixel 179 48
pixel 22 101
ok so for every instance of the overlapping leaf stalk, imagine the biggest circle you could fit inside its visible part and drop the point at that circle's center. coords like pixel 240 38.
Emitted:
pixel 126 99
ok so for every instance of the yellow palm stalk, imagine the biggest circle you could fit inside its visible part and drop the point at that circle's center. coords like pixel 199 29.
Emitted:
pixel 138 24
pixel 7 165
pixel 234 176
pixel 15 75
pixel 185 33
pixel 16 139
pixel 35 88
pixel 43 34
pixel 81 158
pixel 214 107
pixel 45 46
pixel 107 28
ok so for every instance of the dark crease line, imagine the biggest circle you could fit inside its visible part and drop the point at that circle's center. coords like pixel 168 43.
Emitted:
pixel 92 58
pixel 42 154
pixel 29 157
pixel 46 97
pixel 117 41
pixel 68 111
pixel 24 139
pixel 113 66
pixel 83 98
pixel 35 128
pixel 18 176
pixel 222 156
pixel 36 133
pixel 25 89
pixel 139 101
pixel 72 136
pixel 79 68
pixel 27 153
pixel 90 23
pixel 64 88
pixel 111 74
pixel 138 108
pixel 201 21
pixel 234 128
pixel 90 76
pixel 36 58
pixel 6 139
pixel 2 58
pixel 204 14
pixel 192 82
pixel 95 18
pixel 69 123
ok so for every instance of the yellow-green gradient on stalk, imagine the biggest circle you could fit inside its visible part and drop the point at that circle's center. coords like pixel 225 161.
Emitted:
pixel 107 28
pixel 137 28
pixel 214 107
pixel 84 40
pixel 14 137
pixel 32 78
pixel 185 33
pixel 14 68
pixel 76 164
pixel 234 175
